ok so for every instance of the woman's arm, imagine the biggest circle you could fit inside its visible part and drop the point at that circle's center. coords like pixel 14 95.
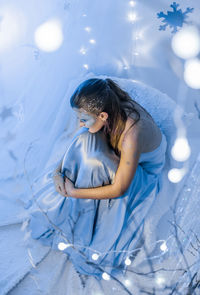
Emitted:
pixel 130 154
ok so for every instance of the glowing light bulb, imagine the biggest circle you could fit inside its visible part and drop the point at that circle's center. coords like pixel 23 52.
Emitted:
pixel 181 149
pixel 163 247
pixel 63 246
pixel 106 276
pixel 132 3
pixel 83 50
pixel 127 283
pixel 192 73
pixel 160 280
pixel 132 16
pixel 95 256
pixel 186 43
pixel 92 41
pixel 175 175
pixel 48 36
pixel 86 66
pixel 127 261
pixel 88 29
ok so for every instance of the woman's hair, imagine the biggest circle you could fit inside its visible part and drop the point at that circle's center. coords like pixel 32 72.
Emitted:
pixel 99 95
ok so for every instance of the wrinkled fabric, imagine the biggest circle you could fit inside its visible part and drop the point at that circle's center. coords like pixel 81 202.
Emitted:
pixel 108 227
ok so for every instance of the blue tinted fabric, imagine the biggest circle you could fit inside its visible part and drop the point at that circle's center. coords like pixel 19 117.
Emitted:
pixel 91 226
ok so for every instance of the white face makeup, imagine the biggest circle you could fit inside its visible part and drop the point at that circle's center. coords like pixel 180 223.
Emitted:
pixel 85 118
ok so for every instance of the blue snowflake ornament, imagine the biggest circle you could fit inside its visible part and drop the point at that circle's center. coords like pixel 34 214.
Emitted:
pixel 175 18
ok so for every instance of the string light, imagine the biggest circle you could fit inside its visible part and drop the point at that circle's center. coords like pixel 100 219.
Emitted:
pixel 160 280
pixel 95 256
pixel 83 50
pixel 88 29
pixel 106 276
pixel 132 16
pixel 86 66
pixel 163 247
pixel 181 149
pixel 127 261
pixel 127 283
pixel 63 246
pixel 175 175
pixel 92 41
pixel 192 73
pixel 132 3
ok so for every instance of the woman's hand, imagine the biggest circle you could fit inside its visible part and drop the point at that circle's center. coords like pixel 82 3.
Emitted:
pixel 60 185
pixel 69 186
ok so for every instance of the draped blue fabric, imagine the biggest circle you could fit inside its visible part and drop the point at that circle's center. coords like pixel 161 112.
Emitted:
pixel 108 227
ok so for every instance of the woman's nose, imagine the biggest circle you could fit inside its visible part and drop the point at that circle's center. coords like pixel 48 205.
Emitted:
pixel 82 124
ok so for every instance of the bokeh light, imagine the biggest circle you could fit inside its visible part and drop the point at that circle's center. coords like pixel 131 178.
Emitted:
pixel 48 36
pixel 175 175
pixel 106 276
pixel 192 73
pixel 181 149
pixel 186 43
pixel 63 246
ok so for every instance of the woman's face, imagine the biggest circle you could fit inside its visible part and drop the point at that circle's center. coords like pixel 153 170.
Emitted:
pixel 90 121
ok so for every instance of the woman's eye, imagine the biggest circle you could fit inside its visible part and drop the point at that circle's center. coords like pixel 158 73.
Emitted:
pixel 82 120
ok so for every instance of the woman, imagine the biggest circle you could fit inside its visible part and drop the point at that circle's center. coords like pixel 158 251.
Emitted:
pixel 109 177
pixel 130 130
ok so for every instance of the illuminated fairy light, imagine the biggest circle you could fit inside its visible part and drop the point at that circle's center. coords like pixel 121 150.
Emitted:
pixel 127 283
pixel 163 247
pixel 83 50
pixel 135 53
pixel 132 16
pixel 192 73
pixel 63 246
pixel 132 3
pixel 128 261
pixel 95 256
pixel 86 66
pixel 160 280
pixel 88 29
pixel 181 149
pixel 92 41
pixel 49 36
pixel 186 43
pixel 106 276
pixel 84 15
pixel 175 175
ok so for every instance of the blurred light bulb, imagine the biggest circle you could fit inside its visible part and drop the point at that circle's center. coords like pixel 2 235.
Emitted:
pixel 127 261
pixel 63 246
pixel 88 29
pixel 181 149
pixel 132 3
pixel 83 50
pixel 186 43
pixel 175 175
pixel 192 73
pixel 160 280
pixel 132 16
pixel 163 247
pixel 106 276
pixel 92 41
pixel 86 66
pixel 48 36
pixel 127 283
pixel 95 256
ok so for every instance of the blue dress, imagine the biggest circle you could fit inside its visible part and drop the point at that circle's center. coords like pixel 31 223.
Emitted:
pixel 109 228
